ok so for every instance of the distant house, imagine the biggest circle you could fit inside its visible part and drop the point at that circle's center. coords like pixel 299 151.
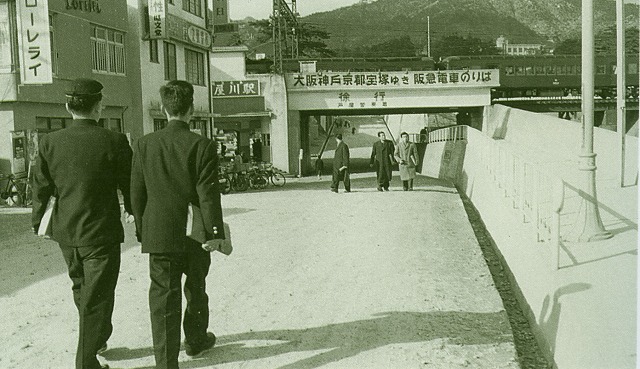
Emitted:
pixel 509 48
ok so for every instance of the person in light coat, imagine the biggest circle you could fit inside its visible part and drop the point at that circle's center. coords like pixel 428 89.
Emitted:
pixel 406 155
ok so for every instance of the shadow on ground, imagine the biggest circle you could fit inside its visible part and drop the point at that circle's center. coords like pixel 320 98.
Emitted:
pixel 344 340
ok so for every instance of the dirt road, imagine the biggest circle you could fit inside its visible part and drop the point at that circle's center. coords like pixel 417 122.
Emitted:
pixel 351 280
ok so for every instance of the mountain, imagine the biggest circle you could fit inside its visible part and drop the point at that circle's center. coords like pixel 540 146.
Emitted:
pixel 521 21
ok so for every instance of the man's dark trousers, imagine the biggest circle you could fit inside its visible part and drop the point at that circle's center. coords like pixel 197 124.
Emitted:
pixel 341 175
pixel 165 301
pixel 94 273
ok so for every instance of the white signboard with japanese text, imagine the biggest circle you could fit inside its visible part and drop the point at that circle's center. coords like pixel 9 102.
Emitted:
pixel 236 88
pixel 34 42
pixel 375 80
pixel 157 19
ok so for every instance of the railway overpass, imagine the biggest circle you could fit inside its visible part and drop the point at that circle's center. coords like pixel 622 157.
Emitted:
pixel 379 93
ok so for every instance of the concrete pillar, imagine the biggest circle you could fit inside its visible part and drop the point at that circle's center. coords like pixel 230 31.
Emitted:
pixel 477 116
pixel 293 143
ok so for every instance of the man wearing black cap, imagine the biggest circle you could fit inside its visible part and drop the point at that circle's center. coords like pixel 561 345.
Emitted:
pixel 341 166
pixel 82 166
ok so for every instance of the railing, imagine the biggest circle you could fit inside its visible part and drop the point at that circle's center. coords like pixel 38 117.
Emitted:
pixel 534 189
pixel 452 133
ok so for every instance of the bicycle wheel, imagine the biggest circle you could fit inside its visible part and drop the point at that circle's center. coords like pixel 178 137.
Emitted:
pixel 224 184
pixel 278 179
pixel 258 181
pixel 22 192
pixel 241 182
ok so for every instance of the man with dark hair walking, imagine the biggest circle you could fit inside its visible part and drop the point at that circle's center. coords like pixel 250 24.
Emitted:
pixel 382 159
pixel 341 166
pixel 172 168
pixel 82 166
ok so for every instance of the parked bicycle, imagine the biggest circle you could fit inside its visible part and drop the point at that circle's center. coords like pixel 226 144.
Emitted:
pixel 276 177
pixel 257 179
pixel 17 191
pixel 224 180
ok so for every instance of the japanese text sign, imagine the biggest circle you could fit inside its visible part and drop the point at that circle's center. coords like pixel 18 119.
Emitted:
pixel 34 42
pixel 236 88
pixel 157 19
pixel 413 79
pixel 182 30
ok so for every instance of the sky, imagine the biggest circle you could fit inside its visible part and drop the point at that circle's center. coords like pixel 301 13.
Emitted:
pixel 261 9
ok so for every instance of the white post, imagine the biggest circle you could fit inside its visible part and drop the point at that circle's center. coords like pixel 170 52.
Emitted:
pixel 592 228
pixel 621 90
pixel 558 204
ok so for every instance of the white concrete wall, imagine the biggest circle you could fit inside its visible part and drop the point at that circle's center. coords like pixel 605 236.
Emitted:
pixel 275 99
pixel 6 126
pixel 410 123
pixel 584 315
pixel 227 66
pixel 558 139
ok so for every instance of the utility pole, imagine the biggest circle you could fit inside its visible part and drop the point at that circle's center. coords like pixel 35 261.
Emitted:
pixel 428 36
pixel 621 89
pixel 284 22
pixel 593 229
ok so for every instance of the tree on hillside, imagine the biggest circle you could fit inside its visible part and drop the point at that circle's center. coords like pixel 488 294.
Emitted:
pixel 311 39
pixel 395 47
pixel 457 45
pixel 604 43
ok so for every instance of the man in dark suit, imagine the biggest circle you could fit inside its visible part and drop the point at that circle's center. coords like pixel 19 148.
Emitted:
pixel 341 166
pixel 82 166
pixel 382 159
pixel 172 168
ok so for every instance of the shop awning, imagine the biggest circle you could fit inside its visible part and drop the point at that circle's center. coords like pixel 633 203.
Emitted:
pixel 239 107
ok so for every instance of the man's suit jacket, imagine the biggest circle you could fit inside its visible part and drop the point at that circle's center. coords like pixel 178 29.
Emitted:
pixel 341 157
pixel 172 168
pixel 83 165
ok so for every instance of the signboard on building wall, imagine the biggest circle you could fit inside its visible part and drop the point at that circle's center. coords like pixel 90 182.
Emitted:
pixel 374 80
pixel 181 30
pixel 220 12
pixel 157 19
pixel 34 42
pixel 236 88
pixel 5 39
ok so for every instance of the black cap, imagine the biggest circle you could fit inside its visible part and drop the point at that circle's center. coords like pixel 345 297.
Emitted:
pixel 339 136
pixel 84 87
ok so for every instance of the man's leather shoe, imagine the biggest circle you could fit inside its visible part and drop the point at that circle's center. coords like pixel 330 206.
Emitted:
pixel 332 190
pixel 194 349
pixel 379 188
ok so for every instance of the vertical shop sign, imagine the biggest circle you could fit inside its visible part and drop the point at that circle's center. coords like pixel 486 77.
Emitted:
pixel 34 42
pixel 157 19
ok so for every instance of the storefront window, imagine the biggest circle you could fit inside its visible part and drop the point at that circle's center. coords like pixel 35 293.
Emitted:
pixel 159 124
pixel 198 126
pixel 47 124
